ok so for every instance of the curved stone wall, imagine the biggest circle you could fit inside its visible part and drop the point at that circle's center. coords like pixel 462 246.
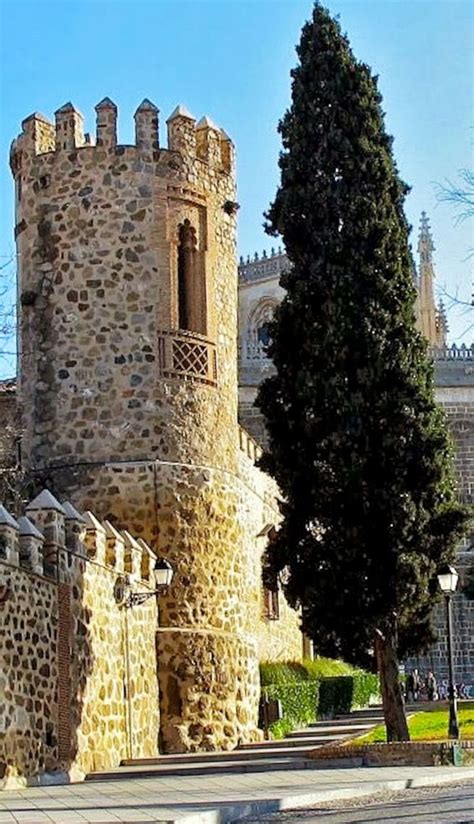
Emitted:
pixel 132 417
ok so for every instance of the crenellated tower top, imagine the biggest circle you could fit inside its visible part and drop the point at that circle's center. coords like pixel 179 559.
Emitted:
pixel 203 140
pixel 126 282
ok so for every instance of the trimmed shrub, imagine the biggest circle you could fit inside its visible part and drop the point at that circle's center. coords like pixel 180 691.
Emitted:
pixel 314 689
pixel 326 668
pixel 345 693
pixel 293 672
pixel 287 672
pixel 299 703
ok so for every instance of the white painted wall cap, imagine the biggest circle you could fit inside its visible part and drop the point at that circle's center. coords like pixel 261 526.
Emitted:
pixel 92 522
pixel 71 513
pixel 27 529
pixel 45 500
pixel 106 103
pixel 130 540
pixel 181 111
pixel 147 106
pixel 111 532
pixel 206 123
pixel 6 519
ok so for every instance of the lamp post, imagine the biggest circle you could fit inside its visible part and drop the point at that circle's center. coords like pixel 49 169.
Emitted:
pixel 448 581
pixel 163 574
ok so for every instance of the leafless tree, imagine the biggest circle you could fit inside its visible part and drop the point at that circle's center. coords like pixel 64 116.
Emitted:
pixel 9 423
pixel 461 194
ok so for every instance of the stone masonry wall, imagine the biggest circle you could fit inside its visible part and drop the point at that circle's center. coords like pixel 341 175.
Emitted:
pixel 250 417
pixel 130 414
pixel 208 676
pixel 278 639
pixel 78 669
pixel 29 672
pixel 455 392
pixel 97 234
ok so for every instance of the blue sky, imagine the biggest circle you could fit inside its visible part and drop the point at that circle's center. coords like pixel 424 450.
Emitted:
pixel 230 59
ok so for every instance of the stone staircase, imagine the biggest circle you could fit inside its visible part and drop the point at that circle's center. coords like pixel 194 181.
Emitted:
pixel 290 753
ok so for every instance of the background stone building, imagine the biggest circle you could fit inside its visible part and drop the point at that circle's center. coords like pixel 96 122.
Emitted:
pixel 455 392
pixel 259 294
pixel 127 391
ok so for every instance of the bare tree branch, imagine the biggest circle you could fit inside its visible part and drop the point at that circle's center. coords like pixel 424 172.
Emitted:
pixel 460 194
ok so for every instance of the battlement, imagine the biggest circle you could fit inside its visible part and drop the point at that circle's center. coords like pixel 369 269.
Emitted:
pixel 201 140
pixel 453 353
pixel 249 445
pixel 260 267
pixel 43 540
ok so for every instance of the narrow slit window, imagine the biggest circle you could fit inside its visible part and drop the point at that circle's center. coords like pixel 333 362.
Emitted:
pixel 186 275
pixel 191 282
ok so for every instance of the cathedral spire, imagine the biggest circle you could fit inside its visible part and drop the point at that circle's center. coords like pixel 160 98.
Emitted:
pixel 425 241
pixel 431 320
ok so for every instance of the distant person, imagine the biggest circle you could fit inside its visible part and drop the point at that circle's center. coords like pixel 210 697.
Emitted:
pixel 431 687
pixel 443 690
pixel 413 685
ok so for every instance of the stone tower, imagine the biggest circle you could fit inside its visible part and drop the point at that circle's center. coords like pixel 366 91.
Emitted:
pixel 128 378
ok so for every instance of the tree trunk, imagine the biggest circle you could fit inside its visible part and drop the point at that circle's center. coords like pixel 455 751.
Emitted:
pixel 393 709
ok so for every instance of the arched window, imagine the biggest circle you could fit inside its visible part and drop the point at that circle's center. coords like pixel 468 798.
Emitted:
pixel 263 334
pixel 258 329
pixel 191 281
pixel 186 275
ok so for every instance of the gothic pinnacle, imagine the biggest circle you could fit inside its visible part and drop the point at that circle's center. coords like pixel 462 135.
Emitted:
pixel 425 240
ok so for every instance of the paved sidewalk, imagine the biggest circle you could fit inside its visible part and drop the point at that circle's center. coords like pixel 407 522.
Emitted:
pixel 210 799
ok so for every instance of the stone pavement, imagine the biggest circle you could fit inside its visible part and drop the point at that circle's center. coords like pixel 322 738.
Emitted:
pixel 209 799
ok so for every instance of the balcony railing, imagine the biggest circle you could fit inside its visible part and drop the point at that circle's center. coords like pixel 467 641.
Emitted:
pixel 188 356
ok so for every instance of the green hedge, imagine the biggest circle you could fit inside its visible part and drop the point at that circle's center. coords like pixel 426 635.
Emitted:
pixel 287 672
pixel 293 672
pixel 299 703
pixel 315 689
pixel 346 693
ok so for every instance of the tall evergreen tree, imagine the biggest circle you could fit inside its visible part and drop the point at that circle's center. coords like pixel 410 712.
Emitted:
pixel 357 443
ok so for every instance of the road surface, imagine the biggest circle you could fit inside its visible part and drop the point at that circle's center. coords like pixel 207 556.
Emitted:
pixel 433 805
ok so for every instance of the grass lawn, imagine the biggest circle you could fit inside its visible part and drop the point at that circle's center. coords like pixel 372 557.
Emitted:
pixel 428 726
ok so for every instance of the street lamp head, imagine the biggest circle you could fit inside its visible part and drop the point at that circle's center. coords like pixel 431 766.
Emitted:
pixel 163 572
pixel 448 579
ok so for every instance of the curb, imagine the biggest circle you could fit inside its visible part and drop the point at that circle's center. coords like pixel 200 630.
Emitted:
pixel 228 813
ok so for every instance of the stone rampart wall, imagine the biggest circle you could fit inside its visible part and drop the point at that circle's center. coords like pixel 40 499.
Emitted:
pixel 277 638
pixel 78 678
pixel 28 672
pixel 213 625
pixel 250 416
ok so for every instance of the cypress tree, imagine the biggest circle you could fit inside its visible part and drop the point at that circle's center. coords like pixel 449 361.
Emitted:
pixel 356 441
